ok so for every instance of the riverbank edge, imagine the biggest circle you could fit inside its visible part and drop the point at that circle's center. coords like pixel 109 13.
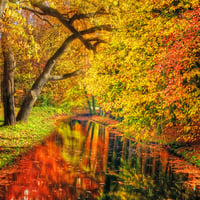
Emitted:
pixel 19 139
pixel 188 152
pixel 43 121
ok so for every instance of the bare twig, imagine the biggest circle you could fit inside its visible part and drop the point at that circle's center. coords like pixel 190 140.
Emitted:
pixel 43 19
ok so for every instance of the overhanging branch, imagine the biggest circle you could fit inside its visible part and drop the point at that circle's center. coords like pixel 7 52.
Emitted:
pixel 37 13
pixel 43 19
pixel 32 10
pixel 52 61
pixel 85 16
pixel 96 28
pixel 55 13
pixel 65 76
pixel 96 39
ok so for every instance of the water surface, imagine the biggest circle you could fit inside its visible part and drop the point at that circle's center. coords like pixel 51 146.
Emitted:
pixel 83 160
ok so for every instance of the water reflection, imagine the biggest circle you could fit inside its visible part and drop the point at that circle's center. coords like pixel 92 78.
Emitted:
pixel 82 160
pixel 149 172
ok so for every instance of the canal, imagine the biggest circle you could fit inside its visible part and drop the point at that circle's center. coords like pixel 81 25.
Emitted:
pixel 83 160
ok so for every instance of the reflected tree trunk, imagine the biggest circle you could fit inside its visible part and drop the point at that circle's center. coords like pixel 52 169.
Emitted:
pixel 139 155
pixel 106 148
pixel 147 161
pixel 86 138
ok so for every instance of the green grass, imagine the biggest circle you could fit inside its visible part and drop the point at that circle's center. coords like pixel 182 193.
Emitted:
pixel 16 140
pixel 1 115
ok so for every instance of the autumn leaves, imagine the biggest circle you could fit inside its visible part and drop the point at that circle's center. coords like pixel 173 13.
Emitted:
pixel 149 75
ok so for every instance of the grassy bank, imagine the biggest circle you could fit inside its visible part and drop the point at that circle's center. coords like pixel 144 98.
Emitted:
pixel 15 140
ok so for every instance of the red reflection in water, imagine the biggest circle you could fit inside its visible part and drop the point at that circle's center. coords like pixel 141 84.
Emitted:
pixel 45 174
pixel 71 165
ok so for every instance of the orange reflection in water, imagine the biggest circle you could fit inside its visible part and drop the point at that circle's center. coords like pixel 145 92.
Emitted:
pixel 71 164
pixel 47 173
pixel 169 164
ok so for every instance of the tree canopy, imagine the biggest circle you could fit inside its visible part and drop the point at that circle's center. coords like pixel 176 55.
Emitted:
pixel 149 74
pixel 145 72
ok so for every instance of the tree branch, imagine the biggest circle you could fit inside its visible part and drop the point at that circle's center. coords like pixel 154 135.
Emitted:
pixel 51 62
pixel 80 16
pixel 37 13
pixel 43 19
pixel 32 10
pixel 96 40
pixel 55 13
pixel 65 76
pixel 96 28
pixel 84 16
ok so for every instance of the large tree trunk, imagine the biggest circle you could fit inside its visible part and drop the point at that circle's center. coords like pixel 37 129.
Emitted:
pixel 31 97
pixel 36 89
pixel 8 81
pixel 46 75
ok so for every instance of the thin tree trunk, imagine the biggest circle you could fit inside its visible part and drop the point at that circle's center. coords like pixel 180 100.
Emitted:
pixel 100 111
pixel 93 105
pixel 88 102
pixel 8 81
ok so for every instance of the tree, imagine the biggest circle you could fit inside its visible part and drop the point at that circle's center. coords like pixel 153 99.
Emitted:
pixel 7 84
pixel 122 76
pixel 46 74
pixel 69 21
pixel 8 34
pixel 178 70
pixel 8 80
